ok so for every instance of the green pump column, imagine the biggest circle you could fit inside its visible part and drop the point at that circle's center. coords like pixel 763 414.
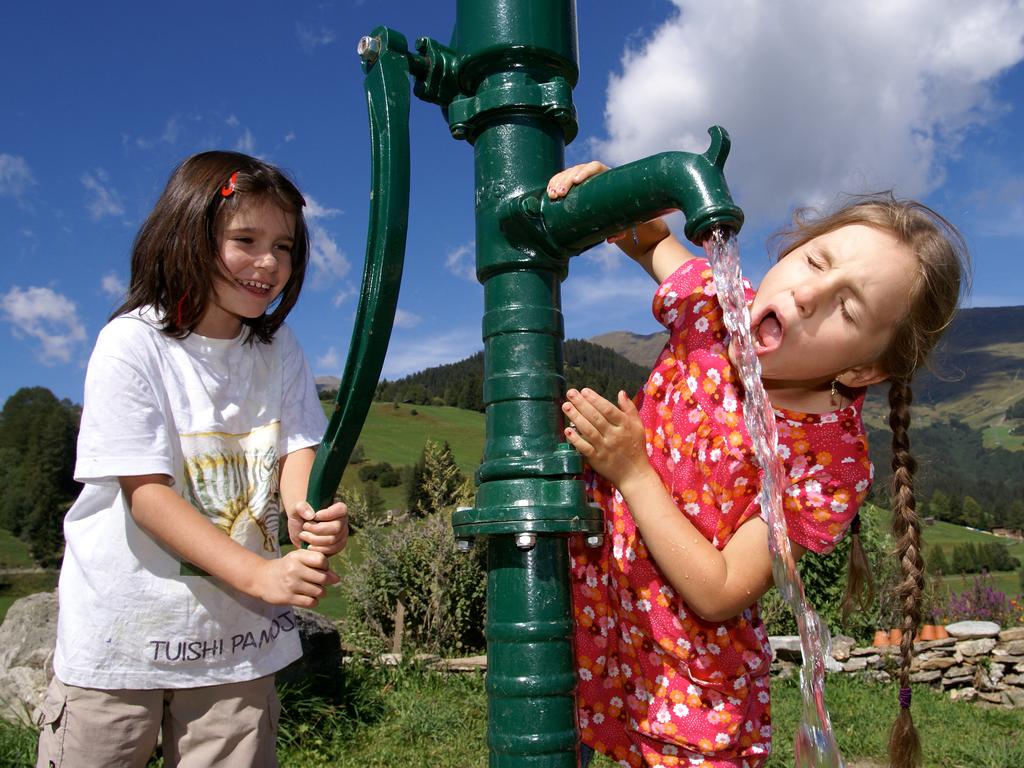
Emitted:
pixel 518 64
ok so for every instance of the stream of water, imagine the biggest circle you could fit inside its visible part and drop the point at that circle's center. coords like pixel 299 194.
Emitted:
pixel 815 742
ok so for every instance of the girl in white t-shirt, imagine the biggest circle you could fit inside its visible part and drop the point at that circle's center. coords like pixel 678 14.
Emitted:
pixel 198 431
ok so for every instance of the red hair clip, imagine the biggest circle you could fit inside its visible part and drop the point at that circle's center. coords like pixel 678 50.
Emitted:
pixel 229 189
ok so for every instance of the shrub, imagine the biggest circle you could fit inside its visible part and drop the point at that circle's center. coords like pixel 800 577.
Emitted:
pixel 374 471
pixel 824 579
pixel 443 591
pixel 390 478
pixel 978 602
pixel 365 507
pixel 436 482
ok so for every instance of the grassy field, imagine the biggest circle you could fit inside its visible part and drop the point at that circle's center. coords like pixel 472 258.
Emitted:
pixel 397 434
pixel 1000 437
pixel 384 718
pixel 13 553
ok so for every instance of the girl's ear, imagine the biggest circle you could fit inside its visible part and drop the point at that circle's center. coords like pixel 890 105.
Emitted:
pixel 862 376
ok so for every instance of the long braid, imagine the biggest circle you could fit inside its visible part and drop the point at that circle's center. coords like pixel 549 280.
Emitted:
pixel 943 271
pixel 904 742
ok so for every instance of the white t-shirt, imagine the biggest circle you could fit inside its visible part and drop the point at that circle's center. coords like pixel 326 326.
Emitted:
pixel 215 415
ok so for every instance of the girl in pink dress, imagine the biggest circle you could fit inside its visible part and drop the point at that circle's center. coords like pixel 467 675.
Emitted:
pixel 672 656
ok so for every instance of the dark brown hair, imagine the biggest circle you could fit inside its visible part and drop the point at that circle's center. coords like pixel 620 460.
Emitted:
pixel 942 275
pixel 175 257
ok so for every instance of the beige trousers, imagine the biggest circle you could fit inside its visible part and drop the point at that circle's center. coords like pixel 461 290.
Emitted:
pixel 233 725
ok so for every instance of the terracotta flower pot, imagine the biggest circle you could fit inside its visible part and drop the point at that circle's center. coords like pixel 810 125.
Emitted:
pixel 928 632
pixel 895 636
pixel 940 632
pixel 881 638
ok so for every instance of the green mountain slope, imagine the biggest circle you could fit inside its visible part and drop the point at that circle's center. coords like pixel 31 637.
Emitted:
pixel 976 374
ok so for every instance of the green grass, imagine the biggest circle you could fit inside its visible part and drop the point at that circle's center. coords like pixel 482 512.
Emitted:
pixel 384 718
pixel 333 604
pixel 999 437
pixel 947 535
pixel 396 435
pixel 13 552
pixel 1007 582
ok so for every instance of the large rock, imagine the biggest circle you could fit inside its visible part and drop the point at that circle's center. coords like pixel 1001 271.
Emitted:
pixel 27 639
pixel 321 653
pixel 29 633
pixel 972 630
pixel 1013 633
pixel 842 646
pixel 971 648
pixel 786 647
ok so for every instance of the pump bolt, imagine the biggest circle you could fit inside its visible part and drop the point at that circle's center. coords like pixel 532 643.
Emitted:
pixel 463 545
pixel 526 541
pixel 595 541
pixel 368 49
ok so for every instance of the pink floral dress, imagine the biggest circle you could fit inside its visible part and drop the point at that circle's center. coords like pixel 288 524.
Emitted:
pixel 658 685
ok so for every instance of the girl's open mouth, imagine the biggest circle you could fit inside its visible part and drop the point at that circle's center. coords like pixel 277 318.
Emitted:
pixel 255 286
pixel 768 333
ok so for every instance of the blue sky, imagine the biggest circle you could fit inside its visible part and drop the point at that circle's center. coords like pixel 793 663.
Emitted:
pixel 101 100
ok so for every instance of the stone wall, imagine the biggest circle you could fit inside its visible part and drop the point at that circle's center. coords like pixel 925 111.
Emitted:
pixel 977 662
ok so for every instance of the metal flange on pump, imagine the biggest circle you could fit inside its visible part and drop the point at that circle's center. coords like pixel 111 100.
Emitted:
pixel 504 85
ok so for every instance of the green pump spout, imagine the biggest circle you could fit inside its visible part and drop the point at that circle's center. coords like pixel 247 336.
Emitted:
pixel 614 201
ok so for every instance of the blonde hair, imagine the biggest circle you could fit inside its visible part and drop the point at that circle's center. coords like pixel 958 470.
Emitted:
pixel 942 277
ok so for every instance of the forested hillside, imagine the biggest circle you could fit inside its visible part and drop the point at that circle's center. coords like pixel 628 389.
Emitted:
pixel 976 382
pixel 38 435
pixel 976 374
pixel 460 384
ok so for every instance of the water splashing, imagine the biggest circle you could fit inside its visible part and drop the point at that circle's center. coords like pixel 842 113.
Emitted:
pixel 815 742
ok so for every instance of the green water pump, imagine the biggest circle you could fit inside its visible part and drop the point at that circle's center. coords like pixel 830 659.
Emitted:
pixel 504 84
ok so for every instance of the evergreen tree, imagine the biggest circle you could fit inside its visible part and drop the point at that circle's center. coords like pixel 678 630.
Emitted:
pixel 938 506
pixel 974 515
pixel 937 562
pixel 38 433
pixel 437 480
pixel 415 498
pixel 374 502
pixel 962 561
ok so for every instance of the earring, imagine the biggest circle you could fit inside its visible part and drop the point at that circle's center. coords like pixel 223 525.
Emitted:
pixel 834 392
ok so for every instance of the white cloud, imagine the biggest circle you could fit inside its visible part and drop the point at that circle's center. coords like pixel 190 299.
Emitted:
pixel 232 120
pixel 1000 206
pixel 462 261
pixel 405 319
pixel 606 255
pixel 47 317
pixel 289 137
pixel 328 260
pixel 246 143
pixel 314 210
pixel 15 176
pixel 312 36
pixel 113 285
pixel 170 135
pixel 819 98
pixel 326 257
pixel 409 354
pixel 343 295
pixel 608 295
pixel 329 362
pixel 104 200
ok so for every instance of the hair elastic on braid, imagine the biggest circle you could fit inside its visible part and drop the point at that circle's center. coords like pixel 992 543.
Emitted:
pixel 855 525
pixel 904 698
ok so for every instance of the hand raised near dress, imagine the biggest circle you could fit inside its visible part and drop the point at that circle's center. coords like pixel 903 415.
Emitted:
pixel 609 436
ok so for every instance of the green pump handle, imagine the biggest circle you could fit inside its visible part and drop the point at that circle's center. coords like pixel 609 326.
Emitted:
pixel 386 64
